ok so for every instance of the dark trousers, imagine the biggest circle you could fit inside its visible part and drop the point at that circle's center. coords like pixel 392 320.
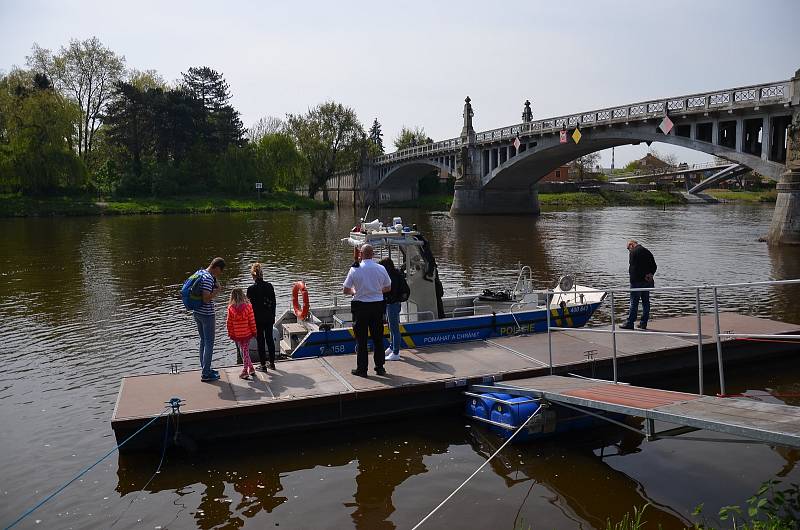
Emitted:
pixel 264 334
pixel 645 297
pixel 368 319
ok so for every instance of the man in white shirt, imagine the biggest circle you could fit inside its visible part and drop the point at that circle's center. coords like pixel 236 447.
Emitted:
pixel 367 281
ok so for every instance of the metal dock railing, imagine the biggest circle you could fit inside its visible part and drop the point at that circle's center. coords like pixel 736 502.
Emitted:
pixel 697 289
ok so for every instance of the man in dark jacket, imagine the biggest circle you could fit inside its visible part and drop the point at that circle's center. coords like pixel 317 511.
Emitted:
pixel 641 268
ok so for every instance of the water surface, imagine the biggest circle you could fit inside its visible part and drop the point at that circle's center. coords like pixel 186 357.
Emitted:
pixel 85 301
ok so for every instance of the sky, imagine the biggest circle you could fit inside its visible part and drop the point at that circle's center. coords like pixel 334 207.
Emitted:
pixel 412 63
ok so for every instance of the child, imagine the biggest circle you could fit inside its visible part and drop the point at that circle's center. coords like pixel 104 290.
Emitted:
pixel 241 328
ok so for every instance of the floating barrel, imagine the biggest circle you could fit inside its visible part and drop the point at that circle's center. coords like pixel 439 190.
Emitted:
pixel 482 407
pixel 514 415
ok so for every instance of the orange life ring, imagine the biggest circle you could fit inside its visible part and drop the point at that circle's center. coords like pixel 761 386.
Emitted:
pixel 300 312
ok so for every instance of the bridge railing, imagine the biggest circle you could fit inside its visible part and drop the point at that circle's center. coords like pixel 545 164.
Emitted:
pixel 746 96
pixel 419 150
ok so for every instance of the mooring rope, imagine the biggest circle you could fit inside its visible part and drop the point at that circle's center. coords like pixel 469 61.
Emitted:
pixel 158 469
pixel 86 470
pixel 476 471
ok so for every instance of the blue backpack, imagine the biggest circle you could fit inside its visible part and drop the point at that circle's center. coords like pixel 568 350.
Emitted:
pixel 191 292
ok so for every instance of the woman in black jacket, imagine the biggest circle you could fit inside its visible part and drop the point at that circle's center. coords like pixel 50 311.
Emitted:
pixel 393 299
pixel 262 298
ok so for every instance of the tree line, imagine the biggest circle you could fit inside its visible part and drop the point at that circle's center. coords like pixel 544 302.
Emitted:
pixel 77 120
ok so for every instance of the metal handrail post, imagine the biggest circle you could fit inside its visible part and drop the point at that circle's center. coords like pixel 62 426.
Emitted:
pixel 719 345
pixel 549 335
pixel 613 339
pixel 699 346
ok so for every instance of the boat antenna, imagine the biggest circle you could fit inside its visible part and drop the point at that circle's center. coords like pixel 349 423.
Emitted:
pixel 366 213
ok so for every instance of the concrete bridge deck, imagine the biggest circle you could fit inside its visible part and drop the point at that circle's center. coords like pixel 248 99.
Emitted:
pixel 312 393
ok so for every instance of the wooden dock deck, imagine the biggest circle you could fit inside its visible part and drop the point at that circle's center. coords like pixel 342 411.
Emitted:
pixel 766 422
pixel 310 393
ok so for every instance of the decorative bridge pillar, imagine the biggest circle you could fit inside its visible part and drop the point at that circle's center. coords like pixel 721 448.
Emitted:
pixel 785 227
pixel 469 197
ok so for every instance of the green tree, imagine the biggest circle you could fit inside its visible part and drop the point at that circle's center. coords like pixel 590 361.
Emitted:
pixel 145 79
pixel 278 162
pixel 330 139
pixel 411 137
pixel 35 155
pixel 264 126
pixel 376 137
pixel 84 72
pixel 222 125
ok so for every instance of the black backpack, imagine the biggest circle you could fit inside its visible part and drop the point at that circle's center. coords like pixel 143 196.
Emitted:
pixel 403 290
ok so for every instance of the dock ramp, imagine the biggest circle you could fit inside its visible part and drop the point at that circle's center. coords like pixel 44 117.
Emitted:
pixel 764 422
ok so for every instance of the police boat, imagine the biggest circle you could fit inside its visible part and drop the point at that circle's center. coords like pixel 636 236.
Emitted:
pixel 428 317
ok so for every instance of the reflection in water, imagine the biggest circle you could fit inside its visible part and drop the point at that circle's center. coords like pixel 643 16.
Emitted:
pixel 573 471
pixel 84 301
pixel 379 462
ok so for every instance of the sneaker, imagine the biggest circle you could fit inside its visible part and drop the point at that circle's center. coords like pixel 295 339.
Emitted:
pixel 244 375
pixel 626 325
pixel 392 357
pixel 380 370
pixel 388 351
pixel 208 379
pixel 642 325
pixel 272 366
pixel 262 368
pixel 359 373
pixel 215 372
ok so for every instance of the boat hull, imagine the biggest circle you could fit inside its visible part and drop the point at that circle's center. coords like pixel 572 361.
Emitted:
pixel 339 341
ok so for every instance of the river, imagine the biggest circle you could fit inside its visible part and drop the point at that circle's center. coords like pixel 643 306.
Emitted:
pixel 85 301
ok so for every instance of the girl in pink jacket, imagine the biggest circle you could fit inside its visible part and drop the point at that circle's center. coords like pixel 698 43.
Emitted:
pixel 241 328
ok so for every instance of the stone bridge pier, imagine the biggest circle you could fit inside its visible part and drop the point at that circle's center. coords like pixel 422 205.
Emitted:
pixel 470 197
pixel 785 227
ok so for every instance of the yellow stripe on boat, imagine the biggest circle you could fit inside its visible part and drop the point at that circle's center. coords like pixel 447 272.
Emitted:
pixel 569 317
pixel 556 318
pixel 406 338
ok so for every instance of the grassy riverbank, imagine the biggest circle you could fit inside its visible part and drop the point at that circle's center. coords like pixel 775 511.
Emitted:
pixel 19 206
pixel 744 196
pixel 426 202
pixel 565 200
pixel 610 198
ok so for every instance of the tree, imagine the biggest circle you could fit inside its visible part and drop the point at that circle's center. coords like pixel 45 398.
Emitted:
pixel 670 159
pixel 584 165
pixel 411 137
pixel 85 72
pixel 35 156
pixel 264 126
pixel 330 139
pixel 376 137
pixel 222 125
pixel 278 162
pixel 144 79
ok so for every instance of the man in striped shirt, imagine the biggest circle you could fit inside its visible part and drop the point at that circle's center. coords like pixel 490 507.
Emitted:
pixel 204 316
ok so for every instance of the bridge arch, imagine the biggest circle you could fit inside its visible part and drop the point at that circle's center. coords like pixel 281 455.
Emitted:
pixel 531 165
pixel 406 174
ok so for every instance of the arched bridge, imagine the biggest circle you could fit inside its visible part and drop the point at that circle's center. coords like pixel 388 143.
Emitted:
pixel 496 171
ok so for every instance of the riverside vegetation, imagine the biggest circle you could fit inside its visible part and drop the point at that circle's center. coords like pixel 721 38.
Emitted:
pixel 81 133
pixel 78 124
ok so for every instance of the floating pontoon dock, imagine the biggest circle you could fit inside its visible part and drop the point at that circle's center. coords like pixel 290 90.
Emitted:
pixel 317 392
pixel 765 422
